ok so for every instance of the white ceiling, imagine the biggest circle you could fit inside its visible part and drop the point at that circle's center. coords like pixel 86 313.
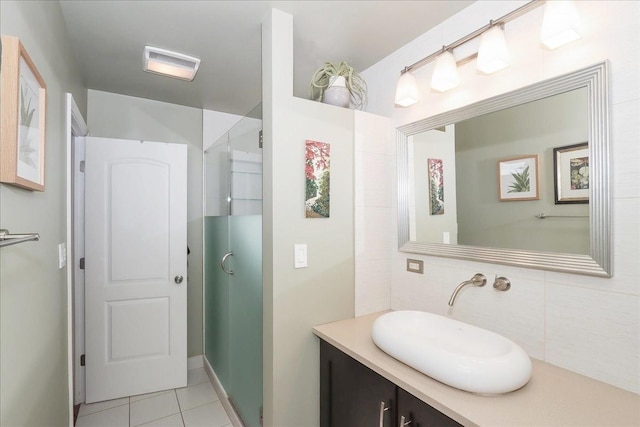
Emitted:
pixel 108 38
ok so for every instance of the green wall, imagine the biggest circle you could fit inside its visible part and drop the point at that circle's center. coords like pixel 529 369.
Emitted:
pixel 34 389
pixel 533 128
pixel 297 299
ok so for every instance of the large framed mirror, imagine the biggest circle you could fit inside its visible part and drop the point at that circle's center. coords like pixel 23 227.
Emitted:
pixel 519 179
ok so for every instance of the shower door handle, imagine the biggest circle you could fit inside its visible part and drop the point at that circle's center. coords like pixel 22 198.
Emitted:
pixel 222 261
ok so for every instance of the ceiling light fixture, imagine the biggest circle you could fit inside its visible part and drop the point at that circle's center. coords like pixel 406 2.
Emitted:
pixel 168 63
pixel 445 73
pixel 406 90
pixel 560 24
pixel 494 31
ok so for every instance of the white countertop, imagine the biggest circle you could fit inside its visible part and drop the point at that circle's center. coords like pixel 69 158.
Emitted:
pixel 553 397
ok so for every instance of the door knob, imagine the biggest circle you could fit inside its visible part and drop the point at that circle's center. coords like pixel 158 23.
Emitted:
pixel 178 279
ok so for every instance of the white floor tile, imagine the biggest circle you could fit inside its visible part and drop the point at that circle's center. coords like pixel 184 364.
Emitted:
pixel 172 421
pixel 101 406
pixel 210 415
pixel 148 395
pixel 154 408
pixel 197 395
pixel 113 417
pixel 196 376
pixel 199 403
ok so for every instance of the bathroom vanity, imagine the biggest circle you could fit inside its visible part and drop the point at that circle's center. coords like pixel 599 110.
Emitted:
pixel 354 395
pixel 357 378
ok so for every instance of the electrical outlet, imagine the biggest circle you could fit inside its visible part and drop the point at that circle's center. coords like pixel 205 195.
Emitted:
pixel 415 266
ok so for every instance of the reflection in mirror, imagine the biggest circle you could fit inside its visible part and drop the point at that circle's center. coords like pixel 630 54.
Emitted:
pixel 471 211
pixel 454 202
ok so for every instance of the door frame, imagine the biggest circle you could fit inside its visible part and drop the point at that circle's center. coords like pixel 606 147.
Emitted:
pixel 76 126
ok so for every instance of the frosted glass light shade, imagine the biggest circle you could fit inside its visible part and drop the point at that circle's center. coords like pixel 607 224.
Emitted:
pixel 445 73
pixel 169 63
pixel 493 54
pixel 560 24
pixel 406 90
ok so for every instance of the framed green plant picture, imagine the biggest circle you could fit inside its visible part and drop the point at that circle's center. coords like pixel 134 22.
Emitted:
pixel 23 103
pixel 518 178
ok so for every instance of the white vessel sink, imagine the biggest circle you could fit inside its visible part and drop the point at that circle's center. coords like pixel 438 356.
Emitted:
pixel 455 353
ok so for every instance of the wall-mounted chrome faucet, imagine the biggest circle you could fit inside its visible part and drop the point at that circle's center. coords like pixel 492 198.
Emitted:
pixel 478 279
pixel 501 284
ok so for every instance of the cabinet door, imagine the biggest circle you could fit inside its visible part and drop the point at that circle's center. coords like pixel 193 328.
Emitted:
pixel 352 394
pixel 419 414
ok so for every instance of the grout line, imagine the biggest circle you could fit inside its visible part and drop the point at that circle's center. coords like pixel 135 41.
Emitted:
pixel 101 410
pixel 179 407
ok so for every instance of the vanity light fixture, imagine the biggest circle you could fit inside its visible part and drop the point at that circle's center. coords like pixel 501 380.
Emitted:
pixel 445 73
pixel 406 90
pixel 560 24
pixel 493 55
pixel 168 63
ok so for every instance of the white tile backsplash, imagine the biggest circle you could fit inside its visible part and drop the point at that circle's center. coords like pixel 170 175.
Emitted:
pixel 594 333
pixel 372 241
pixel 372 286
pixel 625 149
pixel 586 324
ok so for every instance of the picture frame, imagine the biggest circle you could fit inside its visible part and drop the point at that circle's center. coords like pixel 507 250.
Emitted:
pixel 23 101
pixel 571 174
pixel 519 178
pixel 435 171
pixel 317 166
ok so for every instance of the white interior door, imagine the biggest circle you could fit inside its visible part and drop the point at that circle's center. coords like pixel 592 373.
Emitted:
pixel 135 267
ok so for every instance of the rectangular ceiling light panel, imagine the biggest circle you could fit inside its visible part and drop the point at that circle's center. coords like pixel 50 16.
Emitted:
pixel 168 63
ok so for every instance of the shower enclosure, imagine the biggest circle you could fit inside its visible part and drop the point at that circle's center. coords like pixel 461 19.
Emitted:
pixel 233 264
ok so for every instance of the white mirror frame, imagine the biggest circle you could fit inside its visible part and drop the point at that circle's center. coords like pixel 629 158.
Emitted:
pixel 599 261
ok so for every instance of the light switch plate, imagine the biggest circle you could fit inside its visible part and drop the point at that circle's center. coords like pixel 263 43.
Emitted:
pixel 300 256
pixel 62 255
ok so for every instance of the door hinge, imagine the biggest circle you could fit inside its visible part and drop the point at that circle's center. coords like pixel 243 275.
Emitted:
pixel 82 263
pixel 82 360
pixel 82 165
pixel 260 139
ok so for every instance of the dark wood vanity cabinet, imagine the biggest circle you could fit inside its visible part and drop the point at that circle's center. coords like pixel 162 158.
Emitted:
pixel 353 395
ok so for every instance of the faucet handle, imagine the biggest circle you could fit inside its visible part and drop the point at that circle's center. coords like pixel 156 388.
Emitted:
pixel 501 283
pixel 479 279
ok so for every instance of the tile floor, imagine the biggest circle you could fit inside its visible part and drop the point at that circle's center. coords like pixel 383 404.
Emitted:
pixel 196 405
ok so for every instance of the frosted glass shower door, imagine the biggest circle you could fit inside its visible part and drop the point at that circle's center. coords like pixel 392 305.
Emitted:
pixel 245 333
pixel 233 299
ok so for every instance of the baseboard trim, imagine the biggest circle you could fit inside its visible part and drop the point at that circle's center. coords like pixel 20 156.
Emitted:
pixel 224 397
pixel 195 362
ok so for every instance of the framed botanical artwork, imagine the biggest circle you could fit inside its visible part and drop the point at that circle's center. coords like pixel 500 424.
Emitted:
pixel 23 102
pixel 518 178
pixel 436 186
pixel 571 173
pixel 317 168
